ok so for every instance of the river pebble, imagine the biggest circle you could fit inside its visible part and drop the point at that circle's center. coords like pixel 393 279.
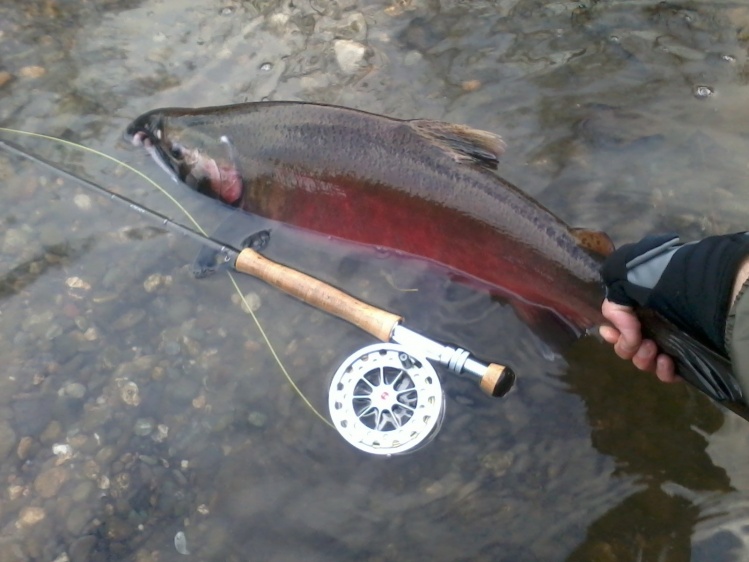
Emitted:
pixel 30 516
pixel 129 320
pixel 498 462
pixel 143 427
pixel 82 491
pixel 32 72
pixel 11 550
pixel 51 433
pixel 251 301
pixel 7 439
pixel 77 520
pixel 49 482
pixel 25 446
pixel 180 543
pixel 130 393
pixel 352 26
pixel 82 201
pixel 257 419
pixel 349 55
pixel 74 390
pixel 14 241
pixel 81 549
pixel 5 78
pixel 63 452
pixel 156 281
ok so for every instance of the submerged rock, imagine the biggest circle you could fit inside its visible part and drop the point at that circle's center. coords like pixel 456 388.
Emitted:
pixel 7 439
pixel 349 55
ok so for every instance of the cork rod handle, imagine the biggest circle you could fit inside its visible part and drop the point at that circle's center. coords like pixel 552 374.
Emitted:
pixel 377 322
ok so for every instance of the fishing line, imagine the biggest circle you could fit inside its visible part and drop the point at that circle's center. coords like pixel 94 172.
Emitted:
pixel 192 219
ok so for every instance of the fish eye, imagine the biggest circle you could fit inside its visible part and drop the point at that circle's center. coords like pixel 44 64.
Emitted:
pixel 177 152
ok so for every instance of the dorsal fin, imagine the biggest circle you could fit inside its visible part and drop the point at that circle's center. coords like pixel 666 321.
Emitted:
pixel 462 143
pixel 593 240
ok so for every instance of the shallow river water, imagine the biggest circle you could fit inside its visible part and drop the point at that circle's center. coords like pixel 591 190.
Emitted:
pixel 142 414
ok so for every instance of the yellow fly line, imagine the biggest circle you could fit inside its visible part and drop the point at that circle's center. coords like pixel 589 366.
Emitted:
pixel 192 219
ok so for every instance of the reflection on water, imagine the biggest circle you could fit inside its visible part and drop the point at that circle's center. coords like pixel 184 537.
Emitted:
pixel 137 402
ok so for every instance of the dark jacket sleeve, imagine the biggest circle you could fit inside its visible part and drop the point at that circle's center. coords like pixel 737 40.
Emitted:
pixel 690 284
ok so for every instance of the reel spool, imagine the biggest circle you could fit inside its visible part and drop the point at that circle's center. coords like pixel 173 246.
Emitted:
pixel 385 400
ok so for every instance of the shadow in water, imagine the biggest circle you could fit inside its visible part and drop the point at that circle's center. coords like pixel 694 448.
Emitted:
pixel 55 255
pixel 656 433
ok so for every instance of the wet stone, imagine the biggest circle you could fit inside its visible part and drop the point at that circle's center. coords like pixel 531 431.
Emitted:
pixel 62 451
pixel 95 416
pixel 81 549
pixel 349 55
pixel 183 390
pixel 5 78
pixel 51 433
pixel 498 462
pixel 143 427
pixel 7 439
pixel 156 281
pixel 702 92
pixel 257 419
pixel 32 72
pixel 11 550
pixel 110 357
pixel 65 347
pixel 30 516
pixel 31 414
pixel 353 26
pixel 105 455
pixel 82 491
pixel 24 448
pixel 180 310
pixel 251 301
pixel 83 202
pixel 172 348
pixel 130 393
pixel 180 543
pixel 128 320
pixel 118 529
pixel 53 331
pixel 74 390
pixel 14 241
pixel 49 482
pixel 77 520
pixel 150 461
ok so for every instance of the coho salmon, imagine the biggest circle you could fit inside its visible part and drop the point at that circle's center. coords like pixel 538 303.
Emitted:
pixel 422 188
pixel 417 187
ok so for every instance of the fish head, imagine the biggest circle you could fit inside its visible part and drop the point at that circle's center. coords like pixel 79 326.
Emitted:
pixel 189 154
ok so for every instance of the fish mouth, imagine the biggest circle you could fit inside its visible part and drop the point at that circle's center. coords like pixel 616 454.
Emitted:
pixel 147 132
pixel 211 175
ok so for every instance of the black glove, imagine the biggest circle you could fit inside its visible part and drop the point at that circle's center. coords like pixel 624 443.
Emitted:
pixel 689 284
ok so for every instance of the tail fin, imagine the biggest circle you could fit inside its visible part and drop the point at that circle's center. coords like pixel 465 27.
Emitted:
pixel 699 365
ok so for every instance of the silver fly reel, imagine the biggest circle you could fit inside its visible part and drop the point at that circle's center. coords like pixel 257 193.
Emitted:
pixel 385 400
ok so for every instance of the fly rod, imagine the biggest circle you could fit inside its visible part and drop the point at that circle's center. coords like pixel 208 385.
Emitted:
pixel 387 402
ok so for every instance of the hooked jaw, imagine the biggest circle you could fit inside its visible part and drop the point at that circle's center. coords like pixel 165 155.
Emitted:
pixel 212 175
pixel 146 132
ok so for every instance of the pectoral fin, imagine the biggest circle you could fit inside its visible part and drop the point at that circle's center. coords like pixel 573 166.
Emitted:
pixel 462 143
pixel 593 240
pixel 240 230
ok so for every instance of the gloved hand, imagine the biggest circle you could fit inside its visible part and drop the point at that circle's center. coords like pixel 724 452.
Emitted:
pixel 689 284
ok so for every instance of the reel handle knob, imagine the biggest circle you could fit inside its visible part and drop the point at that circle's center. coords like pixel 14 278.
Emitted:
pixel 497 380
pixel 321 295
